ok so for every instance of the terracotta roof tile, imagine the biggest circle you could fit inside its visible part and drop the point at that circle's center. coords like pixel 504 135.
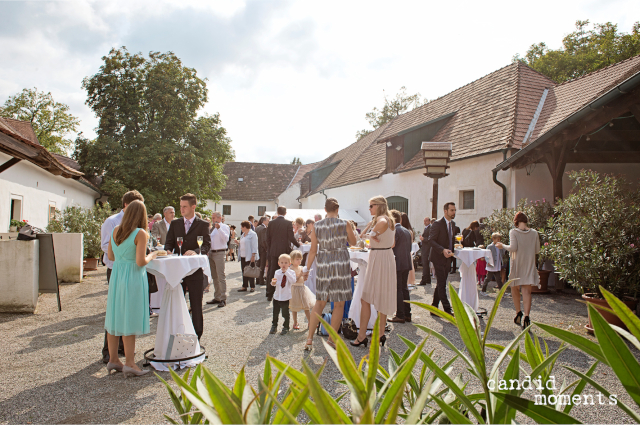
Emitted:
pixel 569 97
pixel 260 182
pixel 23 128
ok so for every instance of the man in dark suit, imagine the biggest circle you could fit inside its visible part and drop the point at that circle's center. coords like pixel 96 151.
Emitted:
pixel 263 249
pixel 441 243
pixel 425 250
pixel 279 239
pixel 402 252
pixel 189 227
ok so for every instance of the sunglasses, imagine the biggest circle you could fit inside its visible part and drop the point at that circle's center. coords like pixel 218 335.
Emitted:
pixel 371 206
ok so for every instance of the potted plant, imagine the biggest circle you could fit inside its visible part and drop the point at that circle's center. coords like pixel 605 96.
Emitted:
pixel 14 225
pixel 594 239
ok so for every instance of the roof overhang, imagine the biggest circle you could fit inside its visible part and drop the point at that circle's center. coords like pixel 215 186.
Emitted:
pixel 617 91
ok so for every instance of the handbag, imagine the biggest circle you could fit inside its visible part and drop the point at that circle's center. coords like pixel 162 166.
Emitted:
pixel 153 285
pixel 251 271
pixel 181 346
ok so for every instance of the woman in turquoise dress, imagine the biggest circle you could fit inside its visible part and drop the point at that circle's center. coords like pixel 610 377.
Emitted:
pixel 128 298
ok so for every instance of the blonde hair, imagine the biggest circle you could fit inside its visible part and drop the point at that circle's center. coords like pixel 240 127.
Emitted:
pixel 135 217
pixel 295 254
pixel 496 235
pixel 382 210
pixel 284 257
pixel 300 221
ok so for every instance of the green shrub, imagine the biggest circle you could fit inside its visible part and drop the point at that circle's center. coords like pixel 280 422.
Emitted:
pixel 87 221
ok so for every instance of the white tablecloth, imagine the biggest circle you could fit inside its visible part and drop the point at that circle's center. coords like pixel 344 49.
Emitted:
pixel 360 259
pixel 174 315
pixel 414 248
pixel 468 292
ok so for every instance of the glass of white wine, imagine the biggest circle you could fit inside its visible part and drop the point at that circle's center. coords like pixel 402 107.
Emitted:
pixel 199 244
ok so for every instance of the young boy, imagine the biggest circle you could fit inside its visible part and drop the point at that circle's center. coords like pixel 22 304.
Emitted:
pixel 284 278
pixel 494 272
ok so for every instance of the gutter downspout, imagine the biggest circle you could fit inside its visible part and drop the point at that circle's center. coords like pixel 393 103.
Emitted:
pixel 495 180
pixel 325 196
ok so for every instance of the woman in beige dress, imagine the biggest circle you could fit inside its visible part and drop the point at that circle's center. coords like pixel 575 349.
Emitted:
pixel 379 282
pixel 525 244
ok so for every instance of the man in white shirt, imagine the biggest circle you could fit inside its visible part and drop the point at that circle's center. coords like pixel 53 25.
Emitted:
pixel 219 245
pixel 105 236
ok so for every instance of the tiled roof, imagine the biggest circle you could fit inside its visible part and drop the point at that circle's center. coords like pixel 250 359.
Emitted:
pixel 19 145
pixel 260 182
pixel 71 163
pixel 491 113
pixel 571 96
pixel 23 128
pixel 304 169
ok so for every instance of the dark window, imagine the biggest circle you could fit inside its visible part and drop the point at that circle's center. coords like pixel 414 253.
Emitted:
pixel 468 199
pixel 398 203
pixel 226 210
pixel 261 211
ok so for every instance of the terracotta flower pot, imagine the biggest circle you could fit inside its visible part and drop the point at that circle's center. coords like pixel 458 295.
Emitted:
pixel 610 318
pixel 90 264
pixel 544 283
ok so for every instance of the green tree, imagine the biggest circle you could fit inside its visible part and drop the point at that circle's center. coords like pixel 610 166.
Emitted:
pixel 583 51
pixel 149 136
pixel 296 161
pixel 391 109
pixel 51 120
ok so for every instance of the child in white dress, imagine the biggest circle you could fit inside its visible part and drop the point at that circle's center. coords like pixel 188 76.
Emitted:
pixel 301 297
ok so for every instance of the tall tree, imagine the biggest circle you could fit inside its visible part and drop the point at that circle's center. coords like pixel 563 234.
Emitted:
pixel 391 109
pixel 583 51
pixel 51 120
pixel 296 161
pixel 149 136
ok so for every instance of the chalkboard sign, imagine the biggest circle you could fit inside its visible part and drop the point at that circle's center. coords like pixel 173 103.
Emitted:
pixel 48 274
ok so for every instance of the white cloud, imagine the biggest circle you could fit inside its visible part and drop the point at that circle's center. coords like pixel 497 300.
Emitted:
pixel 289 78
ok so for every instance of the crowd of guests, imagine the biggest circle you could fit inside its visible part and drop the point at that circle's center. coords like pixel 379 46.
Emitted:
pixel 269 252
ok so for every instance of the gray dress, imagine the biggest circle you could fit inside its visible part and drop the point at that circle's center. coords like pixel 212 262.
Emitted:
pixel 333 279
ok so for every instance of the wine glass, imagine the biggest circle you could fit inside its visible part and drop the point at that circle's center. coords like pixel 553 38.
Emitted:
pixel 368 242
pixel 199 244
pixel 179 241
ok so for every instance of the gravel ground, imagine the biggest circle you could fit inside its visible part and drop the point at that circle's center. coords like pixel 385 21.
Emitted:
pixel 51 369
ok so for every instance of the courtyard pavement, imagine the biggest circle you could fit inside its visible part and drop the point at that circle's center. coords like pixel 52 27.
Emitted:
pixel 51 369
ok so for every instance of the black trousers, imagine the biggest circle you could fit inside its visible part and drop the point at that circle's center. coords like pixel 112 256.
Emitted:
pixel 246 280
pixel 497 276
pixel 403 309
pixel 454 264
pixel 105 347
pixel 194 284
pixel 262 262
pixel 273 266
pixel 440 293
pixel 426 270
pixel 281 306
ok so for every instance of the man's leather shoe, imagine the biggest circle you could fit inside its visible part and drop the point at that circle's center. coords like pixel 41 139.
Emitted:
pixel 213 302
pixel 407 319
pixel 273 330
pixel 242 290
pixel 222 304
pixel 395 319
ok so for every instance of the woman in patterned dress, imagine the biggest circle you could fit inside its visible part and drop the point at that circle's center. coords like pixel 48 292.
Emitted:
pixel 380 289
pixel 333 275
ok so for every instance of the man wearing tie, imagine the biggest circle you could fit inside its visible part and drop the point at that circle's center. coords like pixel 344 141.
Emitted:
pixel 441 244
pixel 189 227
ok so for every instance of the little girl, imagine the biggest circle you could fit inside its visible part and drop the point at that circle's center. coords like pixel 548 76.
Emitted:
pixel 481 270
pixel 301 297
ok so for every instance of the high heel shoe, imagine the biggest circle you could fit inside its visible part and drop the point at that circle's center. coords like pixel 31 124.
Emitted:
pixel 114 366
pixel 526 323
pixel 518 319
pixel 309 345
pixel 126 371
pixel 357 343
pixel 383 339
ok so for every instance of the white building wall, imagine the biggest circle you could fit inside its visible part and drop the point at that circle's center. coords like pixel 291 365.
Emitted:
pixel 240 210
pixel 37 189
pixel 468 174
pixel 289 198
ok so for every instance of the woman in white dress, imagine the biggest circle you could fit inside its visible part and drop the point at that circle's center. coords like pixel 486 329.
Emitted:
pixel 524 245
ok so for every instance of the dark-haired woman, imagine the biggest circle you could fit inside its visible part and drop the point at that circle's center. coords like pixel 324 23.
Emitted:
pixel 128 299
pixel 524 245
pixel 329 239
pixel 470 235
